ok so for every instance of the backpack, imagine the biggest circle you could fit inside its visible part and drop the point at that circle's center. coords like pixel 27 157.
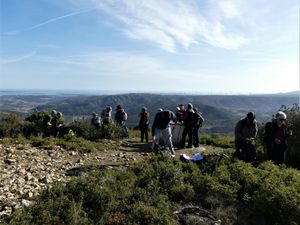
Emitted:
pixel 197 119
pixel 124 116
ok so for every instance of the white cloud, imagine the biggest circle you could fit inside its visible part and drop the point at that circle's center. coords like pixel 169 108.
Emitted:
pixel 228 8
pixel 170 23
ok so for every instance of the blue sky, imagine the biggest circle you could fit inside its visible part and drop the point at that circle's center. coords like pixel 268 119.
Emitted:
pixel 205 46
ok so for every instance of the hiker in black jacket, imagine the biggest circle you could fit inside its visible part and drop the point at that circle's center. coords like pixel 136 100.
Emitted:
pixel 144 124
pixel 197 123
pixel 120 118
pixel 161 129
pixel 245 133
pixel 188 121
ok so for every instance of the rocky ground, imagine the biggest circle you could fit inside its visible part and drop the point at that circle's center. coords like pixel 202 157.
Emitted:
pixel 27 170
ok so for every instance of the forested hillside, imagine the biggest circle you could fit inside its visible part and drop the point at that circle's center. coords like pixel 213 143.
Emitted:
pixel 219 111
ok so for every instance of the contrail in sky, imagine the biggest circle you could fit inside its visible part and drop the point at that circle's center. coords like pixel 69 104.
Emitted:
pixel 14 32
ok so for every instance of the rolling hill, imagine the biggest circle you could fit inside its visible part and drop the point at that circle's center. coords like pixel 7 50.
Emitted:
pixel 220 111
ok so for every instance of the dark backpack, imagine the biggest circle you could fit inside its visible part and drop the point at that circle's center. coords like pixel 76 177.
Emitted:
pixel 197 119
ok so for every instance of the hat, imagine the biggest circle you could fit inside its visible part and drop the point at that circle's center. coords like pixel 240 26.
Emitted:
pixel 251 115
pixel 281 115
pixel 53 112
pixel 190 106
pixel 160 110
pixel 119 107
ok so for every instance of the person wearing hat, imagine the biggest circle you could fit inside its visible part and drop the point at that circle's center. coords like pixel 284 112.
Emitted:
pixel 275 138
pixel 245 133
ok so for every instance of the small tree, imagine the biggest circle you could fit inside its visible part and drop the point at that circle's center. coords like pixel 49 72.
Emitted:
pixel 293 122
pixel 10 126
pixel 38 120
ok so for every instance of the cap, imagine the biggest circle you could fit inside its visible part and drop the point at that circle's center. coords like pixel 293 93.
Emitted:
pixel 281 115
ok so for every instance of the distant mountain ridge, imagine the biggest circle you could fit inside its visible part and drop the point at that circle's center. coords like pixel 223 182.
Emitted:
pixel 220 111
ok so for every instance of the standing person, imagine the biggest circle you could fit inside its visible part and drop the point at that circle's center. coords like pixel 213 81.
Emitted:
pixel 275 138
pixel 188 126
pixel 120 118
pixel 245 133
pixel 161 129
pixel 106 115
pixel 198 121
pixel 180 113
pixel 144 124
pixel 95 121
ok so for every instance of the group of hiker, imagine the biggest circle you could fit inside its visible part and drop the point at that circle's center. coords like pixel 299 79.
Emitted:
pixel 166 121
pixel 189 120
pixel 105 119
pixel 274 137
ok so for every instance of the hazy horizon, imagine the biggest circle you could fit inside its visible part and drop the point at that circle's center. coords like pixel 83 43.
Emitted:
pixel 7 91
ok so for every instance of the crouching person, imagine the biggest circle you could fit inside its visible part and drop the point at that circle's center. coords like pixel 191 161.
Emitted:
pixel 245 134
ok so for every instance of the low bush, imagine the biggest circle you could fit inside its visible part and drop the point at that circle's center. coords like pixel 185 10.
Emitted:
pixel 224 141
pixel 150 192
pixel 10 126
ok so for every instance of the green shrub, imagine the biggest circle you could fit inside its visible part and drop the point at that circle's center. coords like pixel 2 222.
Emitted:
pixel 83 128
pixel 38 122
pixel 10 126
pixel 149 192
pixel 224 141
pixel 293 153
